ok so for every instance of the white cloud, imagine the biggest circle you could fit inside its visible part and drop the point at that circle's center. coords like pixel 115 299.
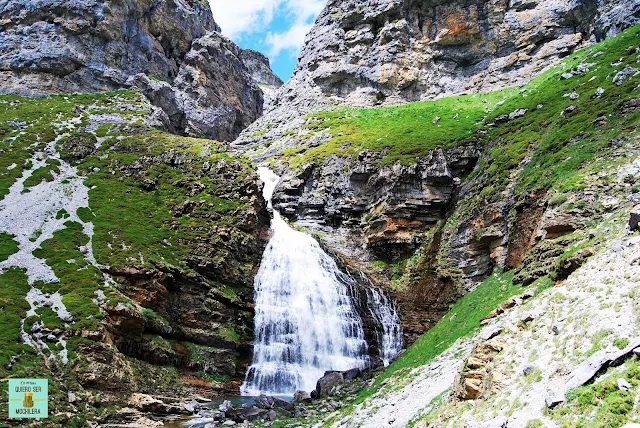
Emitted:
pixel 246 17
pixel 243 16
pixel 290 40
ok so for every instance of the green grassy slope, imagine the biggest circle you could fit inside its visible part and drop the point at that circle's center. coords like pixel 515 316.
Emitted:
pixel 139 178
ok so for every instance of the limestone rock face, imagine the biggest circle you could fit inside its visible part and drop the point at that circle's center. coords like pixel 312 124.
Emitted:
pixel 402 200
pixel 372 52
pixel 64 46
pixel 72 46
pixel 260 68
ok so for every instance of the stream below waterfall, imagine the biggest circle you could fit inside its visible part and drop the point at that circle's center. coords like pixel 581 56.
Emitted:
pixel 306 322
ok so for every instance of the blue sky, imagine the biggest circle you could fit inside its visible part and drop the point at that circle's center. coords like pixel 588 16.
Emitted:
pixel 274 27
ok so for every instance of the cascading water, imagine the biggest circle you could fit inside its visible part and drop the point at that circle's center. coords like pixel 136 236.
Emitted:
pixel 305 321
pixel 386 315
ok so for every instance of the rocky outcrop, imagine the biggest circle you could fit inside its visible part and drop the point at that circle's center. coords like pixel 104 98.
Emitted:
pixel 173 47
pixel 476 379
pixel 391 203
pixel 211 96
pixel 259 68
pixel 386 52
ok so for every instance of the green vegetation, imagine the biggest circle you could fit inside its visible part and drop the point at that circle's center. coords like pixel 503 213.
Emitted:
pixel 229 334
pixel 13 308
pixel 557 141
pixel 404 133
pixel 462 319
pixel 44 173
pixel 27 126
pixel 601 404
pixel 78 280
pixel 7 246
pixel 154 198
pixel 155 233
pixel 621 342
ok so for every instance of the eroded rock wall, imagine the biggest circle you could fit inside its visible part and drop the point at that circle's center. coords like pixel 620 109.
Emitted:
pixel 388 52
pixel 63 46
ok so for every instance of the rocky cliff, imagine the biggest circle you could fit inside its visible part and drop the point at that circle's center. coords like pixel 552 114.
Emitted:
pixel 260 68
pixel 170 49
pixel 388 52
pixel 372 53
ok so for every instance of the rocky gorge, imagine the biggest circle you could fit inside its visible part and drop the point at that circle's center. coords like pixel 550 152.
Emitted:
pixel 470 167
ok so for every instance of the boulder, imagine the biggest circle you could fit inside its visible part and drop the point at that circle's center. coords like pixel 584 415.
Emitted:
pixel 572 263
pixel 351 374
pixel 148 403
pixel 284 407
pixel 634 219
pixel 327 384
pixel 553 398
pixel 624 385
pixel 490 332
pixel 588 369
pixel 78 146
pixel 225 406
pixel 300 396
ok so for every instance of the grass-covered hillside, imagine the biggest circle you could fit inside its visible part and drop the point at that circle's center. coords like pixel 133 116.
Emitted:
pixel 126 253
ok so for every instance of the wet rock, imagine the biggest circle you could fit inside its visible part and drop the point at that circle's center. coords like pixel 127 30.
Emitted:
pixel 225 406
pixel 351 374
pixel 327 384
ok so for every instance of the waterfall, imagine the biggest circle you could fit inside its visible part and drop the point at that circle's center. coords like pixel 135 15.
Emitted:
pixel 386 316
pixel 305 321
